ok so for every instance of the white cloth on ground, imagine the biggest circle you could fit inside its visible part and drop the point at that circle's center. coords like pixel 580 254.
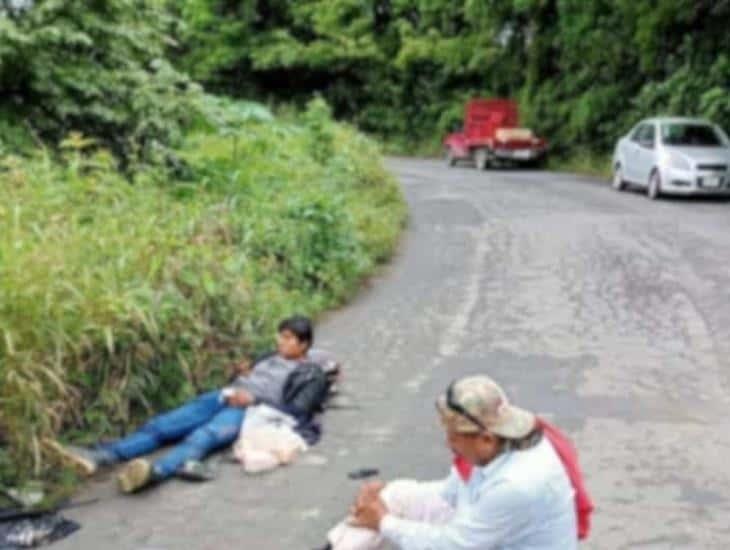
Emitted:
pixel 267 440
pixel 405 498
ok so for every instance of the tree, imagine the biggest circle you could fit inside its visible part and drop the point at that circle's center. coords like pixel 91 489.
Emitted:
pixel 96 67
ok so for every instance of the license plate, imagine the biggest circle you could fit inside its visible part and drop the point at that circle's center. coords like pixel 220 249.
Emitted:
pixel 525 154
pixel 711 181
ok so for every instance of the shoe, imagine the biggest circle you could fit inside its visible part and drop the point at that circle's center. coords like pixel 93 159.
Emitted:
pixel 87 461
pixel 135 476
pixel 194 470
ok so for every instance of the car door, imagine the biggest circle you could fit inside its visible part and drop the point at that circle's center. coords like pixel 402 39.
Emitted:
pixel 646 153
pixel 630 153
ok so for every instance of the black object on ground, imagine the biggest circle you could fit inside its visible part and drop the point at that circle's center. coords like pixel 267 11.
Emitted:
pixel 18 513
pixel 363 473
pixel 34 530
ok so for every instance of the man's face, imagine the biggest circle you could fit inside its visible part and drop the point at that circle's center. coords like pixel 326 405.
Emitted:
pixel 289 346
pixel 476 448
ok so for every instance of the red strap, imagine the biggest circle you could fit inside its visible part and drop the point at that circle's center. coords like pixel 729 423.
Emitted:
pixel 569 457
pixel 463 468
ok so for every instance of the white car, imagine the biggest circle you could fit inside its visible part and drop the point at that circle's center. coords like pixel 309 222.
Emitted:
pixel 682 156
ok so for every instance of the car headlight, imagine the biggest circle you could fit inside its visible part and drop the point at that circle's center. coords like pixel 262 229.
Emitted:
pixel 679 163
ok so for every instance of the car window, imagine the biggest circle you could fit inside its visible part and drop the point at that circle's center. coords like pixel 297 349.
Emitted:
pixel 645 134
pixel 636 134
pixel 650 134
pixel 691 134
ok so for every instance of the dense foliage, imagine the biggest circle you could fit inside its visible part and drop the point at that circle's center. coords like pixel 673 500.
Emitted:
pixel 117 300
pixel 99 68
pixel 150 234
pixel 583 70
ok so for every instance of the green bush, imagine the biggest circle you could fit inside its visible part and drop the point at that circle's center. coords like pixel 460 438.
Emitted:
pixel 583 162
pixel 118 299
pixel 100 68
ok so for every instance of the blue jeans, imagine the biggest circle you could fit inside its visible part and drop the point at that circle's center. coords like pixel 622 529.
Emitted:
pixel 203 424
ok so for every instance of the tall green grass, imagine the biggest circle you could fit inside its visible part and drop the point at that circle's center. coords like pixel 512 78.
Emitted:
pixel 119 298
pixel 584 162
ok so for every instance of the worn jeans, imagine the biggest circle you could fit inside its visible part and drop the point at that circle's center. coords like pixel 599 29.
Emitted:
pixel 203 424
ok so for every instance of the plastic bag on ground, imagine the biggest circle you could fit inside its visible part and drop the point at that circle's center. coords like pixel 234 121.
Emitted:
pixel 267 440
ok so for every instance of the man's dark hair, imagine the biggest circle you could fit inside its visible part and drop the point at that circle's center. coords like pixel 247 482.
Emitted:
pixel 299 326
pixel 523 443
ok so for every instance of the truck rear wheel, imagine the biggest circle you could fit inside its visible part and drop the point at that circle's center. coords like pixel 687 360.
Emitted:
pixel 539 163
pixel 450 157
pixel 482 158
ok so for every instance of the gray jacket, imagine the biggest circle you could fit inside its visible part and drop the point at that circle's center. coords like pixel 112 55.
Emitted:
pixel 266 381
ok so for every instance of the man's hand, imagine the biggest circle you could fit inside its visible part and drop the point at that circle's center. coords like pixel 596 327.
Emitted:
pixel 242 368
pixel 369 513
pixel 240 398
pixel 369 491
pixel 369 508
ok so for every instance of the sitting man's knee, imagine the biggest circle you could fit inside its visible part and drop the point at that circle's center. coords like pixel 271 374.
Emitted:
pixel 416 501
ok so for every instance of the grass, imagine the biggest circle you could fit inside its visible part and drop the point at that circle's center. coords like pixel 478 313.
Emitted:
pixel 426 147
pixel 583 162
pixel 121 298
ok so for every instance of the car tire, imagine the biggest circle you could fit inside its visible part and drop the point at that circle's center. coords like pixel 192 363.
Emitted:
pixel 618 182
pixel 538 163
pixel 654 190
pixel 482 159
pixel 449 156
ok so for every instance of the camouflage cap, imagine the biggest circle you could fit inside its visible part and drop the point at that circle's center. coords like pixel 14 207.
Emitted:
pixel 477 403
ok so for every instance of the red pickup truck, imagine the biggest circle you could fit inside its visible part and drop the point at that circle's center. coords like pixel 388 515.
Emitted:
pixel 492 133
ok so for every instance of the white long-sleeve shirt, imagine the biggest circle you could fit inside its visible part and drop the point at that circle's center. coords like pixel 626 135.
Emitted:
pixel 522 500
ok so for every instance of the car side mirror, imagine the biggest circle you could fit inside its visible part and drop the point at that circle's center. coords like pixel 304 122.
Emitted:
pixel 647 143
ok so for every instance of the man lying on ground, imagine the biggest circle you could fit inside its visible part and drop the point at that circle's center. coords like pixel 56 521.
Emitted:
pixel 515 484
pixel 213 420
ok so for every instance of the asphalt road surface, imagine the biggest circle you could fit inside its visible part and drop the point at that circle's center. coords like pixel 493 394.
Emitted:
pixel 603 311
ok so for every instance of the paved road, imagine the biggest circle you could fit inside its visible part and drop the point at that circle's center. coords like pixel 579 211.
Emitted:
pixel 602 310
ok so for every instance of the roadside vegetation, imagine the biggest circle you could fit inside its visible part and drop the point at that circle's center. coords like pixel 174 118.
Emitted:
pixel 583 162
pixel 119 297
pixel 584 71
pixel 152 234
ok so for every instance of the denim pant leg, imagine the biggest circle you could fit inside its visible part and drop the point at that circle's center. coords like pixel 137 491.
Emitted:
pixel 219 432
pixel 168 427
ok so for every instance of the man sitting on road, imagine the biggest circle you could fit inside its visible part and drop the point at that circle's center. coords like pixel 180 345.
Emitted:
pixel 212 420
pixel 515 493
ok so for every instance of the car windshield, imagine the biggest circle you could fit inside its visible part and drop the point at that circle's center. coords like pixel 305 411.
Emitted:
pixel 700 135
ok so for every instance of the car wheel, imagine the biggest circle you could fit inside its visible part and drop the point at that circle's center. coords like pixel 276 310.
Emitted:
pixel 481 159
pixel 450 158
pixel 618 183
pixel 654 190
